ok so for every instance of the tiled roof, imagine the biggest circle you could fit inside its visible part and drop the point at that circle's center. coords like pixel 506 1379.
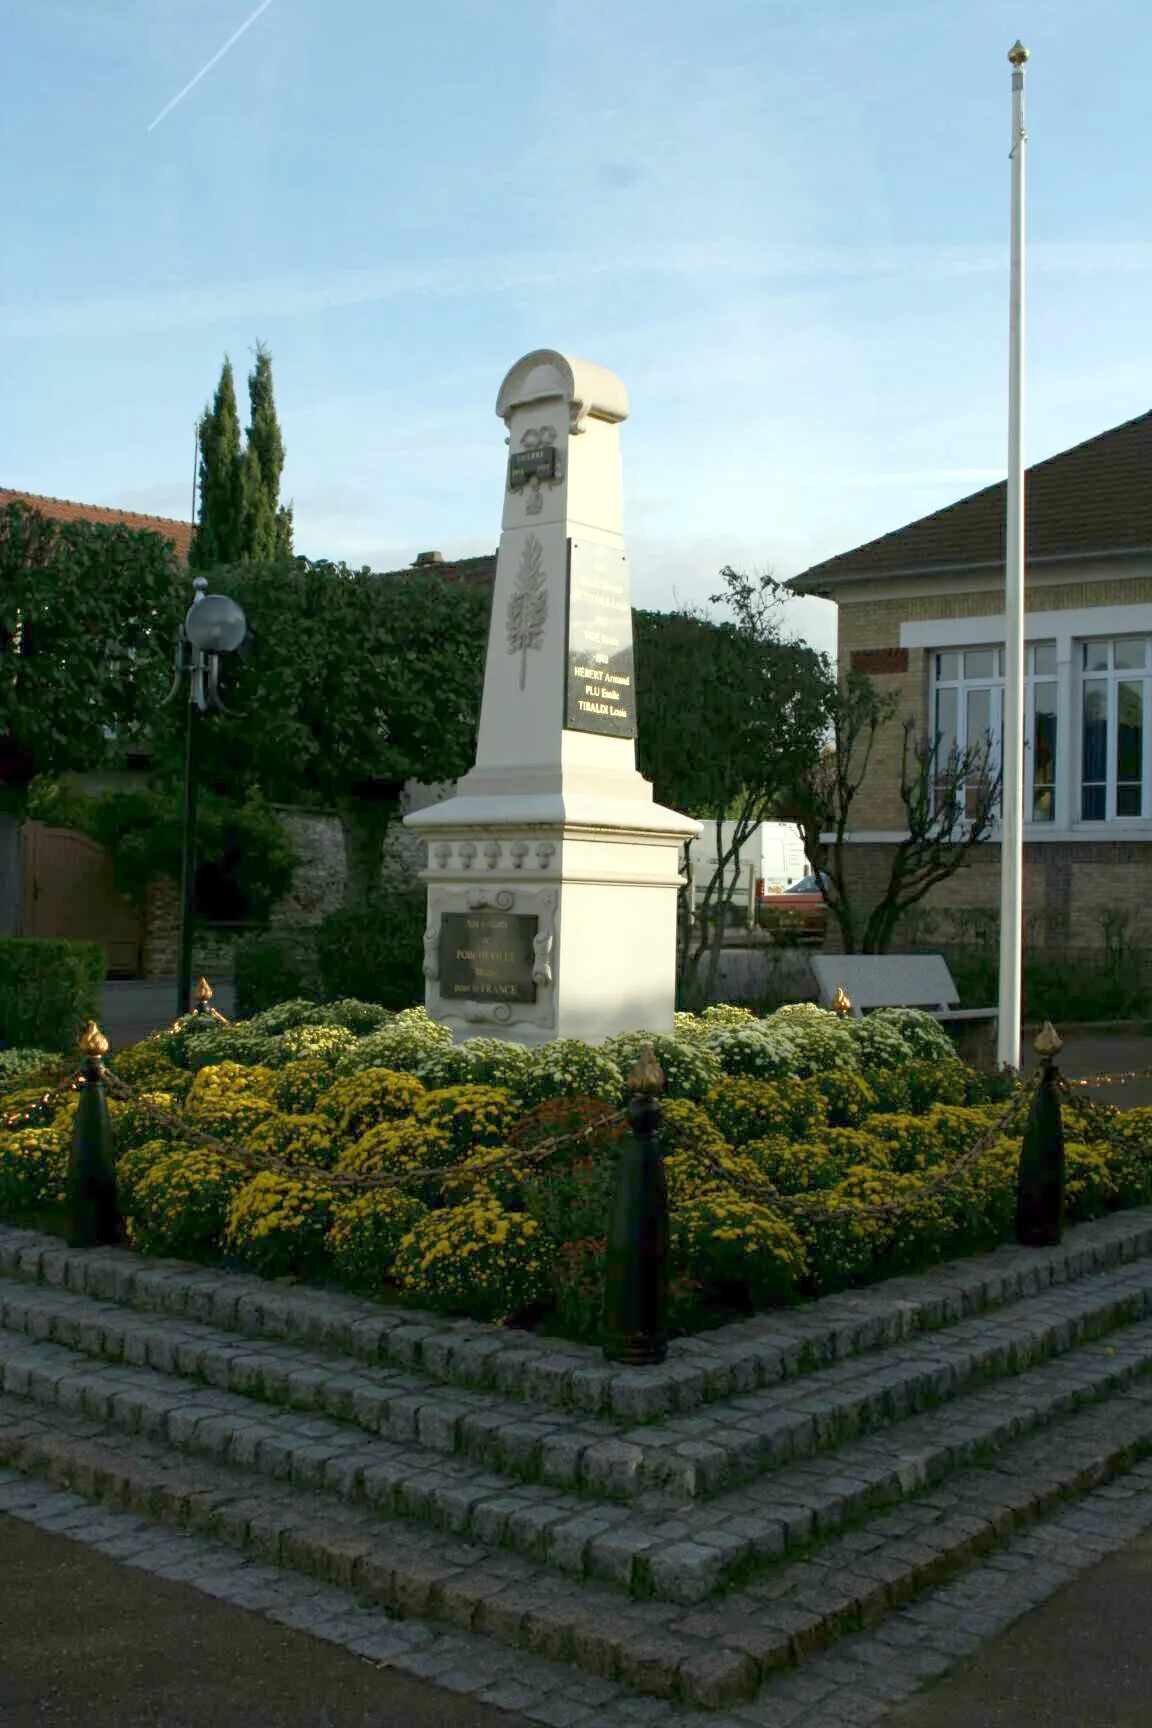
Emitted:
pixel 1095 498
pixel 63 510
pixel 473 572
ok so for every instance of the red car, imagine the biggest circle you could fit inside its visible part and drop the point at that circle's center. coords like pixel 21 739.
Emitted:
pixel 797 914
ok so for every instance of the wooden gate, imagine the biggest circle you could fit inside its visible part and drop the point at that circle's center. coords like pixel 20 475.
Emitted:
pixel 69 892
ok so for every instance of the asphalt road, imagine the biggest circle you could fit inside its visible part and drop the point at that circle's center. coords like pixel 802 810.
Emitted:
pixel 1082 1660
pixel 88 1643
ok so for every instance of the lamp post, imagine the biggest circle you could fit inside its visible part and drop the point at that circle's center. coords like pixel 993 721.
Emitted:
pixel 213 625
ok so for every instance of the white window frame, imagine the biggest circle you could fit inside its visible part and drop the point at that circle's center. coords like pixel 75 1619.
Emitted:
pixel 1113 677
pixel 1070 628
pixel 994 682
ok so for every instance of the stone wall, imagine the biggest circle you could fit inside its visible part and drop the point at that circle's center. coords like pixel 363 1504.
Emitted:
pixel 317 889
pixel 1074 893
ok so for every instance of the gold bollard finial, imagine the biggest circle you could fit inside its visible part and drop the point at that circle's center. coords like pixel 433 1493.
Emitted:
pixel 93 1041
pixel 646 1075
pixel 842 1002
pixel 1048 1041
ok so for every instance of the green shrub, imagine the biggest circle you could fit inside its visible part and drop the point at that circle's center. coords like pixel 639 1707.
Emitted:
pixel 366 1232
pixel 476 1062
pixel 305 1140
pixel 404 1044
pixel 271 968
pixel 299 1084
pixel 49 990
pixel 278 1225
pixel 375 953
pixel 690 1070
pixel 567 1068
pixel 737 1250
pixel 33 1169
pixel 24 1067
pixel 821 1039
pixel 315 1043
pixel 357 1102
pixel 180 1204
pixel 745 1109
pixel 848 1098
pixel 473 1117
pixel 476 1259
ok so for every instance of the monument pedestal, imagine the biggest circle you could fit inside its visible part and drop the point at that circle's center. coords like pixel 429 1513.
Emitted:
pixel 552 875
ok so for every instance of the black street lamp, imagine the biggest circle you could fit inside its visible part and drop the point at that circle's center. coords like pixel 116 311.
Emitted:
pixel 213 625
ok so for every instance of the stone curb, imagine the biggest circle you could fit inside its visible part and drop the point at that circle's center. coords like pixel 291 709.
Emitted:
pixel 711 1660
pixel 738 1358
pixel 683 1558
pixel 858 1681
pixel 690 1458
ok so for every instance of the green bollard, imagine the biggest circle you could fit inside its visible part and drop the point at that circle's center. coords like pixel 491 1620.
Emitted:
pixel 92 1216
pixel 1040 1177
pixel 636 1280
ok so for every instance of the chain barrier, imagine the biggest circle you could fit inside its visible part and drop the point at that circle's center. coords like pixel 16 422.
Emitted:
pixel 764 1192
pixel 258 1161
pixel 809 1206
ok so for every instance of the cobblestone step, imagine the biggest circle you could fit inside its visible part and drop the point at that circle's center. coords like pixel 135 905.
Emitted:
pixel 691 1457
pixel 717 1657
pixel 647 1549
pixel 553 1374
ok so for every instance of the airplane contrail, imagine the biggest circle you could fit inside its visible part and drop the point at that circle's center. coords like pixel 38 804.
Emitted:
pixel 219 55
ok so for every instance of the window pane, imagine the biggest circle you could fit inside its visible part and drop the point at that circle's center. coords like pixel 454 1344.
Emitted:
pixel 947 666
pixel 978 717
pixel 1096 656
pixel 1045 659
pixel 980 663
pixel 1129 748
pixel 946 720
pixel 1094 755
pixel 1044 753
pixel 1129 653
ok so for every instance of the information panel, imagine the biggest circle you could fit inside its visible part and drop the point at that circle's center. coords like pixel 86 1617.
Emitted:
pixel 601 679
pixel 487 955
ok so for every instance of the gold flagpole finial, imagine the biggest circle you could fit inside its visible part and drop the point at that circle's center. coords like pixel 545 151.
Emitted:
pixel 1017 54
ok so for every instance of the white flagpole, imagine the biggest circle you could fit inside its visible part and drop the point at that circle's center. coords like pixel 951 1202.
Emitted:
pixel 1012 825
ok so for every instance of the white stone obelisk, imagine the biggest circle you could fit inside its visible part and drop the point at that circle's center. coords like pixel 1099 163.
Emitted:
pixel 552 874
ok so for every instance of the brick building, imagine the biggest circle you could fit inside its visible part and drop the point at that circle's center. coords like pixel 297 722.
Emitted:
pixel 177 533
pixel 921 611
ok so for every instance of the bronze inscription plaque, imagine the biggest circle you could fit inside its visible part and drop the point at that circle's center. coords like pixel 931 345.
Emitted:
pixel 487 956
pixel 601 681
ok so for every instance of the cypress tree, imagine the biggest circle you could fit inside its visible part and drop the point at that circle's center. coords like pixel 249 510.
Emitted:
pixel 270 524
pixel 220 533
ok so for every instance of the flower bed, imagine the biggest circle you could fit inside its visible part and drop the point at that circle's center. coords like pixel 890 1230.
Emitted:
pixel 803 1154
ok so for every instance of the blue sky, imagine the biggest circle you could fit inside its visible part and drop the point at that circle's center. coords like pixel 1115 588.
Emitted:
pixel 782 222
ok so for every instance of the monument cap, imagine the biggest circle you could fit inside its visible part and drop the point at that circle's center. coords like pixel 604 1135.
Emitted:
pixel 547 376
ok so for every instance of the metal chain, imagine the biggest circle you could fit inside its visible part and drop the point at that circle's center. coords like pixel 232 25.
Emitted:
pixel 802 1205
pixel 265 1161
pixel 764 1192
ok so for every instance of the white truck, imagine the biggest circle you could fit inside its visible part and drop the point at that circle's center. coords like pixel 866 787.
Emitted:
pixel 770 860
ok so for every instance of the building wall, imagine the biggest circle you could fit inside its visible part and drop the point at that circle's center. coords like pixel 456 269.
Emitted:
pixel 870 617
pixel 1076 895
pixel 1075 884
